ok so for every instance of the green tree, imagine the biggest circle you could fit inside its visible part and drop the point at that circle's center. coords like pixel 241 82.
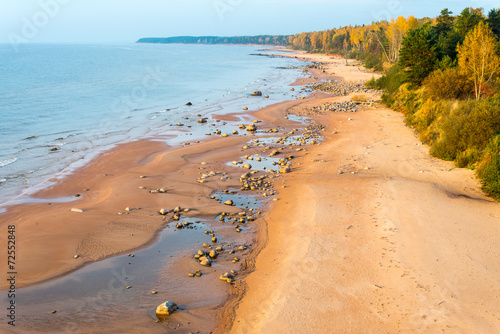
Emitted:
pixel 447 44
pixel 493 21
pixel 468 19
pixel 338 41
pixel 418 54
pixel 444 22
pixel 477 57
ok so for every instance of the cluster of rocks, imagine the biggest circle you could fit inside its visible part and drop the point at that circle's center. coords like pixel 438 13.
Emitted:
pixel 205 258
pixel 177 212
pixel 327 108
pixel 258 93
pixel 316 66
pixel 204 177
pixel 155 191
pixel 236 221
pixel 185 225
pixel 313 132
pixel 209 255
pixel 342 88
pixel 251 183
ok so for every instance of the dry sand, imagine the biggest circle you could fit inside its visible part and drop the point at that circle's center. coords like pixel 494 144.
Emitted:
pixel 408 245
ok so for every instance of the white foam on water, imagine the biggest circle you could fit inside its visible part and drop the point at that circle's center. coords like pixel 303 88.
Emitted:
pixel 7 162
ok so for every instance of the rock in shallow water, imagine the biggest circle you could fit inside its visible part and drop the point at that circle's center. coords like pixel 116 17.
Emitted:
pixel 251 127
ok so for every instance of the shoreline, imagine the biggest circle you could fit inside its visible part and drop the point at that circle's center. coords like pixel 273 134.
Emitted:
pixel 48 151
pixel 61 191
pixel 109 184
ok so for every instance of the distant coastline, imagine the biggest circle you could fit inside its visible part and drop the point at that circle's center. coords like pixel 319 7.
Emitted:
pixel 278 40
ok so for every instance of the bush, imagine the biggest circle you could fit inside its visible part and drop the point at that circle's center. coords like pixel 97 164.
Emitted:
pixel 468 158
pixel 448 84
pixel 389 82
pixel 428 117
pixel 408 101
pixel 374 62
pixel 470 126
pixel 359 98
pixel 489 168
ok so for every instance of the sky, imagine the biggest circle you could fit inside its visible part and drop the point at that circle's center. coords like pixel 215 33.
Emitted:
pixel 125 21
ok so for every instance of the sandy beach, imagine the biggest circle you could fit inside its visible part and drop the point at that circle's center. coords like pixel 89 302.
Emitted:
pixel 367 234
pixel 399 242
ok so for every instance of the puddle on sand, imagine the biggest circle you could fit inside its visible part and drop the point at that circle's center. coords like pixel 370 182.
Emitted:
pixel 96 296
pixel 296 118
pixel 35 200
pixel 265 163
pixel 240 200
pixel 98 289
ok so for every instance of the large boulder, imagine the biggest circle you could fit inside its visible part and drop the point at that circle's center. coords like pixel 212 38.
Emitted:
pixel 285 170
pixel 251 127
pixel 166 309
pixel 205 261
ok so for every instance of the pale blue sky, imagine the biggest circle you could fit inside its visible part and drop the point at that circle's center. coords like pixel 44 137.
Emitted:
pixel 121 21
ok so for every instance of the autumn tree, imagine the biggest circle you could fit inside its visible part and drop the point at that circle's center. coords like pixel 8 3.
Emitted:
pixel 325 39
pixel 477 58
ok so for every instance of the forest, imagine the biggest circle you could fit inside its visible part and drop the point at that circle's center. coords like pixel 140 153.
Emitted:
pixel 443 73
pixel 259 40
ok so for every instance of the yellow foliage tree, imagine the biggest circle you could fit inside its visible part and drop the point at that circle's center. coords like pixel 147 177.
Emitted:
pixel 477 58
pixel 395 33
pixel 324 39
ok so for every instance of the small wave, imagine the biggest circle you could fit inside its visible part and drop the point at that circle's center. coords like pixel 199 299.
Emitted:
pixel 3 180
pixel 7 162
pixel 31 137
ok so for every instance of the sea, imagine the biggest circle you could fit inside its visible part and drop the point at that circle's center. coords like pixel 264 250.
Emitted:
pixel 61 105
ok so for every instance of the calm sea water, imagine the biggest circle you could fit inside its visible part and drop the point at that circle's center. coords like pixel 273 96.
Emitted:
pixel 62 104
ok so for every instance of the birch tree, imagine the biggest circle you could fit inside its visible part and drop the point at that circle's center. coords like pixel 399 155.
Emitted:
pixel 477 58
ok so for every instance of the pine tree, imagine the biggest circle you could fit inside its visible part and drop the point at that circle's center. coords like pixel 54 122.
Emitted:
pixel 418 54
